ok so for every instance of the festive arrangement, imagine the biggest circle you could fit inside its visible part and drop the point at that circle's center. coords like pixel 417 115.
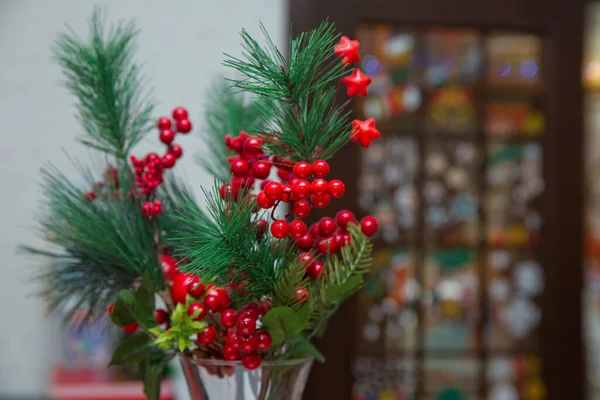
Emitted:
pixel 242 278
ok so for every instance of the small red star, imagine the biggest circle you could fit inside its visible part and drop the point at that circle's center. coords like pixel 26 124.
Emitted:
pixel 364 132
pixel 348 50
pixel 357 83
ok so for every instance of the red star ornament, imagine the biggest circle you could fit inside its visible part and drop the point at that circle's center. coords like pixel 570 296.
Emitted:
pixel 364 132
pixel 357 83
pixel 347 50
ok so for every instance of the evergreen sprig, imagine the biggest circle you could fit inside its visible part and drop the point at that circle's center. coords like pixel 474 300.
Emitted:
pixel 100 72
pixel 304 123
pixel 226 113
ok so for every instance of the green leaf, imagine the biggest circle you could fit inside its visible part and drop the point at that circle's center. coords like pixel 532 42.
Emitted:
pixel 351 285
pixel 127 297
pixel 132 349
pixel 156 331
pixel 303 315
pixel 144 302
pixel 334 293
pixel 182 344
pixel 122 312
pixel 302 347
pixel 282 320
pixel 153 374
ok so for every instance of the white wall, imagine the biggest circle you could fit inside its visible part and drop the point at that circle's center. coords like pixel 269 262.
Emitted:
pixel 181 45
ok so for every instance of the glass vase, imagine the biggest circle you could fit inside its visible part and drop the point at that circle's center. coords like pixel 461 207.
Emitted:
pixel 229 380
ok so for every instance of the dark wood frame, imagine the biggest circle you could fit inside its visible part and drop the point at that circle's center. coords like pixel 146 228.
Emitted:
pixel 560 23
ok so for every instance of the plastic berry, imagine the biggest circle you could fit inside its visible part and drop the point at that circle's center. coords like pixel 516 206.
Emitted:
pixel 327 226
pixel 232 340
pixel 320 168
pixel 305 243
pixel 216 299
pixel 176 150
pixel 301 294
pixel 253 146
pixel 251 361
pixel 298 229
pixel 180 113
pixel 263 201
pixel 348 50
pixel 344 217
pixel 368 226
pixel 239 168
pixel 264 306
pixel 161 316
pixel 280 229
pixel 225 191
pixel 248 343
pixel 249 310
pixel 166 136
pixel 328 246
pixel 111 308
pixel 91 195
pixel 261 169
pixel 169 267
pixel 168 160
pixel 315 269
pixel 357 83
pixel 196 288
pixel 246 326
pixel 228 318
pixel 196 308
pixel 231 353
pixel 261 227
pixel 302 189
pixel 207 336
pixel 301 208
pixel 340 239
pixel 164 123
pixel 314 230
pixel 179 290
pixel 263 340
pixel 287 194
pixel 273 191
pixel 183 125
pixel 302 170
pixel 320 201
pixel 306 259
pixel 131 328
pixel 336 188
pixel 364 132
pixel 320 187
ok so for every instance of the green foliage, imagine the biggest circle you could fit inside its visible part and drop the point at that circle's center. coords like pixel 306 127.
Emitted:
pixel 221 244
pixel 132 349
pixel 226 113
pixel 101 73
pixel 182 327
pixel 153 371
pixel 288 280
pixel 296 99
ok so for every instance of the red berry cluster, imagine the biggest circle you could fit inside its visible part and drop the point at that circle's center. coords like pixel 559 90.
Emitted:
pixel 249 164
pixel 110 182
pixel 149 208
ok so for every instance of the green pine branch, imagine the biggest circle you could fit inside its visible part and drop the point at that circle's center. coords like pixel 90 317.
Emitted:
pixel 226 113
pixel 101 73
pixel 296 95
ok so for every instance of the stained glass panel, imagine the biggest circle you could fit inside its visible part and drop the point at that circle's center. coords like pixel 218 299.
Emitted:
pixel 513 377
pixel 451 378
pixel 514 59
pixel 387 378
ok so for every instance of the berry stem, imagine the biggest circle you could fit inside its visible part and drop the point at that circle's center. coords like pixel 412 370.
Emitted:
pixel 274 208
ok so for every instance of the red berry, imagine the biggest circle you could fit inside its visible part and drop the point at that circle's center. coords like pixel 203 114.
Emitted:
pixel 132 327
pixel 320 169
pixel 264 184
pixel 327 226
pixel 302 170
pixel 195 288
pixel 216 299
pixel 306 259
pixel 253 146
pixel 180 113
pixel 231 353
pixel 91 195
pixel 368 226
pixel 320 187
pixel 265 306
pixel 261 169
pixel 157 206
pixel 168 160
pixel 320 201
pixel 111 308
pixel 261 226
pixel 263 201
pixel 280 229
pixel 152 157
pixel 340 239
pixel 314 230
pixel 162 316
pixel 176 150
pixel 246 325
pixel 232 340
pixel 273 191
pixel 164 123
pixel 301 208
pixel 315 269
pixel 336 188
pixel 179 289
pixel 169 267
pixel 183 125
pixel 301 294
pixel 248 343
pixel 167 136
pixel 251 361
pixel 225 191
pixel 283 174
pixel 305 243
pixel 249 310
pixel 298 229
pixel 328 246
pixel 212 302
pixel 196 308
pixel 228 318
pixel 302 189
pixel 344 217
pixel 207 336
pixel 263 340
pixel 239 167
pixel 287 194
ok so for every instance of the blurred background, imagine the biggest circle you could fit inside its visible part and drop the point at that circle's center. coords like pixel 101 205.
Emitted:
pixel 486 183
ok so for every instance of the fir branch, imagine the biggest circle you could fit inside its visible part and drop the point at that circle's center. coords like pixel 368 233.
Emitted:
pixel 226 113
pixel 296 98
pixel 101 73
pixel 288 281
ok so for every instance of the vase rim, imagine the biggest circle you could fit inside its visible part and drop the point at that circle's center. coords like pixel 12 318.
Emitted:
pixel 270 363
